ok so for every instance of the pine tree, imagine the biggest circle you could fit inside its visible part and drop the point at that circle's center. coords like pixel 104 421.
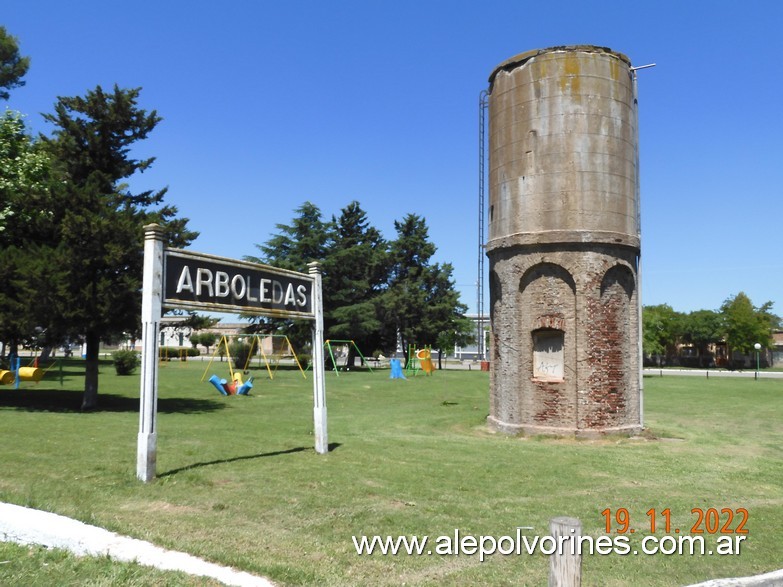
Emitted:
pixel 13 66
pixel 420 302
pixel 294 246
pixel 373 289
pixel 355 269
pixel 100 221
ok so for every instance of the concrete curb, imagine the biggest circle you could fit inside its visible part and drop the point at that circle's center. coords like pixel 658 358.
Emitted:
pixel 28 526
pixel 773 579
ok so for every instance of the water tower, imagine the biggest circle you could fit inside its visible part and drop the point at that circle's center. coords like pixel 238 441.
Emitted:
pixel 564 244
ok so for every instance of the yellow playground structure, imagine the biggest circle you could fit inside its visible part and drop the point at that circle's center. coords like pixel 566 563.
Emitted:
pixel 260 345
pixel 420 359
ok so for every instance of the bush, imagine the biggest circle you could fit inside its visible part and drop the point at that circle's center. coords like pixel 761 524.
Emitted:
pixel 125 362
pixel 240 352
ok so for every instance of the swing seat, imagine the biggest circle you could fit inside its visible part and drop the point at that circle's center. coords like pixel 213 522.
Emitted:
pixel 30 374
pixel 246 387
pixel 218 383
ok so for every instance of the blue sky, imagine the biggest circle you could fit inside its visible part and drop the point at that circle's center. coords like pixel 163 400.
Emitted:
pixel 266 105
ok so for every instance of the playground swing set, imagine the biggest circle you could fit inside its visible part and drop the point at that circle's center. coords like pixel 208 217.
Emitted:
pixel 235 385
pixel 32 372
pixel 418 359
pixel 329 344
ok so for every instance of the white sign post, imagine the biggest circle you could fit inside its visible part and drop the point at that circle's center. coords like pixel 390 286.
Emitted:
pixel 319 384
pixel 194 281
pixel 151 311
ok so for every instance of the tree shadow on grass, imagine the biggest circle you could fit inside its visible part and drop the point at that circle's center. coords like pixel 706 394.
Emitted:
pixel 332 446
pixel 69 401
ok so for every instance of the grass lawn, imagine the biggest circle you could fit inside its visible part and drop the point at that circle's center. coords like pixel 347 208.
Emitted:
pixel 240 484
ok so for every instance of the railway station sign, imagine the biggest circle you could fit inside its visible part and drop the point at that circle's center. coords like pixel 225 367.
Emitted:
pixel 201 282
pixel 177 279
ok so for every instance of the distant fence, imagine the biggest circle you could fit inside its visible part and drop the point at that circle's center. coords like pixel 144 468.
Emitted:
pixel 712 373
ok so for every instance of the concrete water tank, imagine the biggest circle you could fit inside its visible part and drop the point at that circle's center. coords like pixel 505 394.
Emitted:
pixel 564 243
